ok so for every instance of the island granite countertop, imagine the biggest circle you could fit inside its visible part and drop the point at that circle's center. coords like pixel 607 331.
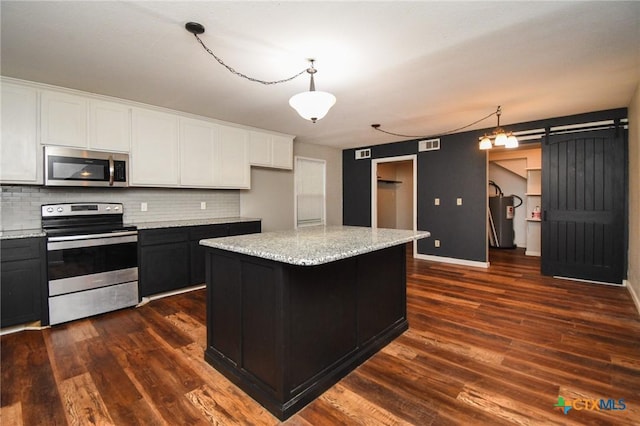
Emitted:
pixel 315 245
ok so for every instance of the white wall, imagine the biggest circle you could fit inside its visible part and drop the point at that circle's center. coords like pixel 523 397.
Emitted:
pixel 633 274
pixel 271 195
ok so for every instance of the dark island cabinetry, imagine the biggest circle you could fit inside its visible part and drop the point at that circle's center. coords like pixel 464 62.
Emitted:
pixel 22 279
pixel 285 333
pixel 171 258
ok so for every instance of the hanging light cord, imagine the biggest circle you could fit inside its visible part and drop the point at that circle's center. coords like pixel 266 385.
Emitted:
pixel 239 74
pixel 377 127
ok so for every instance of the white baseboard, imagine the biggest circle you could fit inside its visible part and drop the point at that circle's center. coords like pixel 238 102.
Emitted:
pixel 532 253
pixel 34 326
pixel 452 260
pixel 148 299
pixel 634 295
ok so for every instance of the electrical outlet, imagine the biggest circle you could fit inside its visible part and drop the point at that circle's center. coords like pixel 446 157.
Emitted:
pixel 436 243
pixel 459 201
pixel 143 207
pixel 203 205
pixel 436 202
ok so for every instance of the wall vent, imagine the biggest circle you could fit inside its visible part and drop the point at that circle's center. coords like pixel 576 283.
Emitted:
pixel 429 145
pixel 363 153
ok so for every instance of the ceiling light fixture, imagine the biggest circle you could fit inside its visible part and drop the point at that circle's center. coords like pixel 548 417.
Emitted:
pixel 499 137
pixel 312 105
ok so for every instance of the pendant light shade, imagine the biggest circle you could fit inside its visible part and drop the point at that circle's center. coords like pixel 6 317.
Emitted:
pixel 485 143
pixel 501 139
pixel 512 142
pixel 312 105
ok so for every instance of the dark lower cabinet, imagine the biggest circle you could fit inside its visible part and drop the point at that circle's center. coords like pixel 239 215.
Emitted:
pixel 22 278
pixel 172 258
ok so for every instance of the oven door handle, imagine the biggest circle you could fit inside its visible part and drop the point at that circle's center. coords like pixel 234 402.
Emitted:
pixel 111 170
pixel 93 240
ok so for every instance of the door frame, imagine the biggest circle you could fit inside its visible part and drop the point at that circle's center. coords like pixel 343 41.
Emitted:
pixel 374 189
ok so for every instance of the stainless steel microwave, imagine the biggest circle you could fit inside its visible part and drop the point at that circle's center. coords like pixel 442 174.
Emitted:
pixel 77 167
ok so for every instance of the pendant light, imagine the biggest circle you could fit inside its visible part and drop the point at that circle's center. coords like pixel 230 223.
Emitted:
pixel 499 136
pixel 312 105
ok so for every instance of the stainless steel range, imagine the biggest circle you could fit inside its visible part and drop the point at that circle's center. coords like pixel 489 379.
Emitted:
pixel 92 260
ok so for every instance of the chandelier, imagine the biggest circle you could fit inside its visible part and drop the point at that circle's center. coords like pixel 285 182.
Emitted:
pixel 312 105
pixel 499 137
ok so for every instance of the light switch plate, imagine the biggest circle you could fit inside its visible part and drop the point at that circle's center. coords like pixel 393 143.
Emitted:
pixel 459 201
pixel 436 243
pixel 203 205
pixel 436 201
pixel 143 207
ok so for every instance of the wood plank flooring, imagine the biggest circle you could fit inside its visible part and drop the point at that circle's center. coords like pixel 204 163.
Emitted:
pixel 485 346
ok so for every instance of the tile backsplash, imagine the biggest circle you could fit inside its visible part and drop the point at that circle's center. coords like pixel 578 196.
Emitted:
pixel 20 205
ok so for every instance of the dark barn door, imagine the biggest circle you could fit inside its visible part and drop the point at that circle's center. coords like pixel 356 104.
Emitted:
pixel 583 199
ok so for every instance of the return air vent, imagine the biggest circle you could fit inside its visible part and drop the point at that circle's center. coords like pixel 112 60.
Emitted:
pixel 363 153
pixel 429 145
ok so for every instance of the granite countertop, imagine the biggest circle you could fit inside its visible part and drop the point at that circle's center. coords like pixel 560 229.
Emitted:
pixel 192 222
pixel 315 245
pixel 21 233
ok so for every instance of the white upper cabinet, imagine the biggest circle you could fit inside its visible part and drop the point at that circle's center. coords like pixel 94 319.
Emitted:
pixel 197 153
pixel 232 168
pixel 82 122
pixel 19 152
pixel 63 119
pixel 167 148
pixel 269 150
pixel 154 148
pixel 109 126
pixel 282 152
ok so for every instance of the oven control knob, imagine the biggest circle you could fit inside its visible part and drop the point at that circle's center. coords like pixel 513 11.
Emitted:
pixel 116 208
pixel 108 208
pixel 49 209
pixel 60 209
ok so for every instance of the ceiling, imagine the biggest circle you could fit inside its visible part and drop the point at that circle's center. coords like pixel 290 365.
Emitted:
pixel 416 68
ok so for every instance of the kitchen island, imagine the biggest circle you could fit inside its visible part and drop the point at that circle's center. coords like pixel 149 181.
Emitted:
pixel 290 313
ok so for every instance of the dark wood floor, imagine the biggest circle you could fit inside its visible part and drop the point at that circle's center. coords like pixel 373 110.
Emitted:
pixel 494 346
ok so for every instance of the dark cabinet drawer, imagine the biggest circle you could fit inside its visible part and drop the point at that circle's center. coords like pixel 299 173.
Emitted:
pixel 21 249
pixel 162 236
pixel 242 228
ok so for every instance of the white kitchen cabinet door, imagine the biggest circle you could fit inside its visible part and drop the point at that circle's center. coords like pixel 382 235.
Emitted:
pixel 232 168
pixel 197 153
pixel 154 149
pixel 109 126
pixel 63 119
pixel 282 152
pixel 19 149
pixel 269 150
pixel 259 149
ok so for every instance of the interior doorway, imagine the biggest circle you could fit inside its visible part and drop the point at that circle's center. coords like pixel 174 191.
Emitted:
pixel 394 193
pixel 516 173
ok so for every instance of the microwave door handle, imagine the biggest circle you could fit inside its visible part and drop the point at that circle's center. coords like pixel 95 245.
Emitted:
pixel 111 170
